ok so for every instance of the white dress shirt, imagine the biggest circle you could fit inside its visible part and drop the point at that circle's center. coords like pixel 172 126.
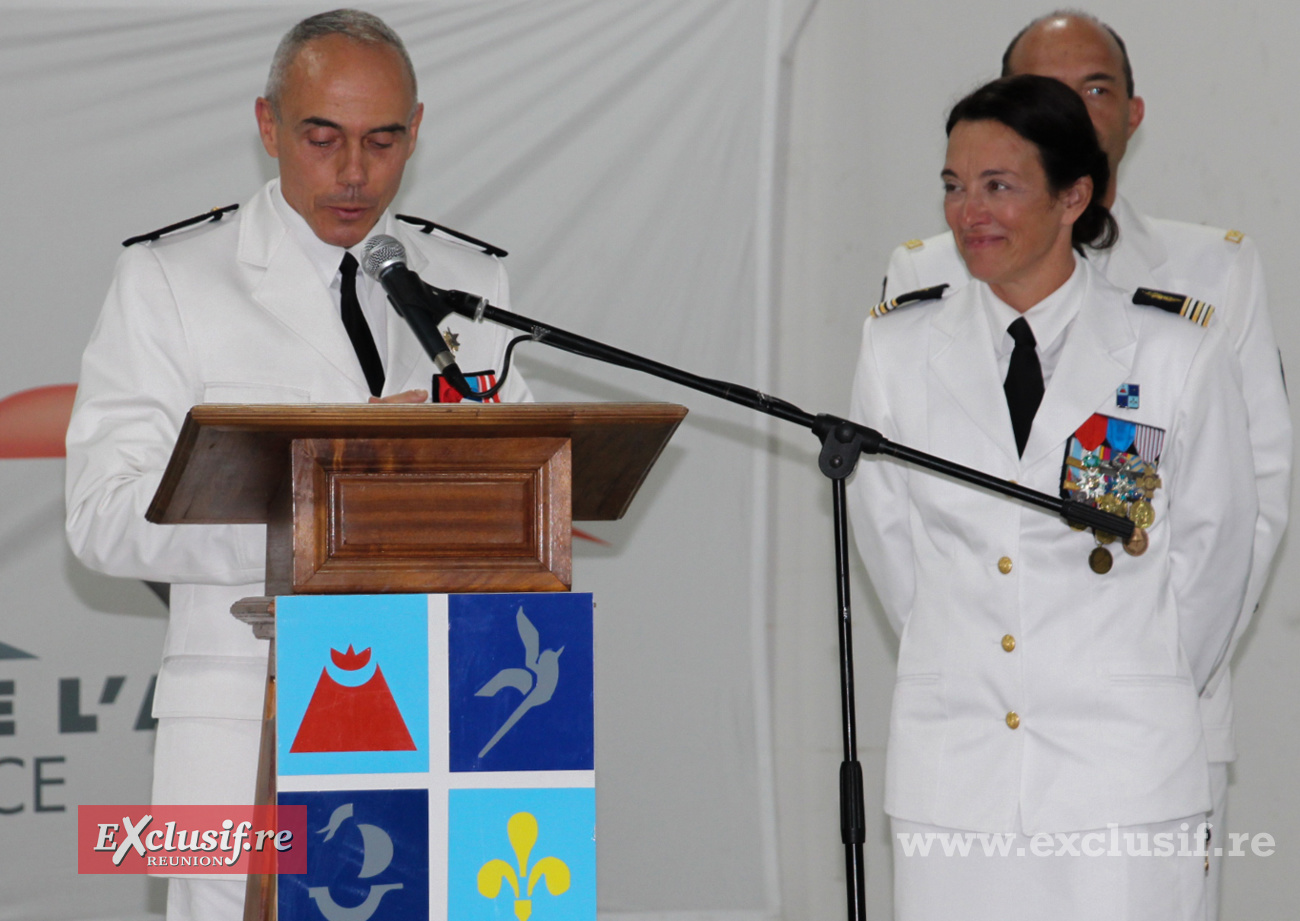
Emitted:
pixel 1050 319
pixel 327 259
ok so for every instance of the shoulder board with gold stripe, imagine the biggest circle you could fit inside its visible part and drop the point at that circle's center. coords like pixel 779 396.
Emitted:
pixel 427 226
pixel 214 215
pixel 1189 308
pixel 911 297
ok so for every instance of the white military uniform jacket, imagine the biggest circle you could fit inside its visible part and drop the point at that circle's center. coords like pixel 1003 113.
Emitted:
pixel 1105 669
pixel 1221 269
pixel 231 312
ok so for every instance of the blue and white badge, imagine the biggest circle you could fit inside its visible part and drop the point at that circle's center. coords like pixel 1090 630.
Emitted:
pixel 1126 397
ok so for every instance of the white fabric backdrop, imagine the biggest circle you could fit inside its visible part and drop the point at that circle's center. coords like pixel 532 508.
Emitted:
pixel 622 151
pixel 626 153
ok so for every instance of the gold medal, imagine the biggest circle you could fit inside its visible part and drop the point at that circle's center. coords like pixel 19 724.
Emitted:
pixel 1100 560
pixel 1138 543
pixel 1141 513
pixel 1110 503
pixel 1104 537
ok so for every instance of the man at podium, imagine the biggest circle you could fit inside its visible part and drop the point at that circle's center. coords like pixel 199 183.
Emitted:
pixel 262 306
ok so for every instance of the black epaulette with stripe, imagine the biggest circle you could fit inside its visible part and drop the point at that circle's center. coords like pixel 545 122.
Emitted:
pixel 1189 308
pixel 214 215
pixel 429 227
pixel 911 297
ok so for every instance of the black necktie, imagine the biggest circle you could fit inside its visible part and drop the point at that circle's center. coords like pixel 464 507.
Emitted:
pixel 354 321
pixel 1024 384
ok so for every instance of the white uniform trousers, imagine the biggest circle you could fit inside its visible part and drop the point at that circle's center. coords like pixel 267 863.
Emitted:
pixel 196 899
pixel 1111 874
pixel 220 758
pixel 224 753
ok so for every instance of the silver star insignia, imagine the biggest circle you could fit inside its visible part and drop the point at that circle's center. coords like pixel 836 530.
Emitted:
pixel 452 340
pixel 1126 487
pixel 1092 484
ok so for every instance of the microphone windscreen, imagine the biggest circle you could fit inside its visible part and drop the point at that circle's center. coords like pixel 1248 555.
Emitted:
pixel 382 251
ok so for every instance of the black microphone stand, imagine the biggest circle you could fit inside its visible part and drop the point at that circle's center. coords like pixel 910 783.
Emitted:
pixel 842 443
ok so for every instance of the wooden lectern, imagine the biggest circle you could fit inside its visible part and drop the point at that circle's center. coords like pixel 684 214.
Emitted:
pixel 372 499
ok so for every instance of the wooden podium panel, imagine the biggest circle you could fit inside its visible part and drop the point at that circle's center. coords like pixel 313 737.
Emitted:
pixel 486 514
pixel 379 498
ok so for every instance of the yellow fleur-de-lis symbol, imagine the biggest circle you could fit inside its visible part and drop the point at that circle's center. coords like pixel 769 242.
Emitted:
pixel 521 829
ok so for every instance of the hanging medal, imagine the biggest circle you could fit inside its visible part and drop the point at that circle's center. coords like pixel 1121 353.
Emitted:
pixel 1100 560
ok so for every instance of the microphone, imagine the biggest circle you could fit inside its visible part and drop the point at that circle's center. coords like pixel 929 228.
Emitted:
pixel 385 261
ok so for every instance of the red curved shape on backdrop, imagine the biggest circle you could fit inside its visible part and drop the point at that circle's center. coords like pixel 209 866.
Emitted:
pixel 583 535
pixel 34 423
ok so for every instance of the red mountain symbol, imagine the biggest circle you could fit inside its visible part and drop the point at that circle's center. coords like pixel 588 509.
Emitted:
pixel 352 719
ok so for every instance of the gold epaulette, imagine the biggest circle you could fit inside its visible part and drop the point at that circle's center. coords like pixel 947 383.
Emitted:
pixel 1189 308
pixel 911 297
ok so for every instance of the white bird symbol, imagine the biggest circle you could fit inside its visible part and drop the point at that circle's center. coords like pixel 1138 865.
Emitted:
pixel 537 691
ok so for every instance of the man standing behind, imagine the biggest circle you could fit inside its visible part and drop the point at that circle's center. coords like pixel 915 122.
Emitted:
pixel 266 306
pixel 1191 261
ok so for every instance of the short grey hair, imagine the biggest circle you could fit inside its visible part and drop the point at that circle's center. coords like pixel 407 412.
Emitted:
pixel 354 24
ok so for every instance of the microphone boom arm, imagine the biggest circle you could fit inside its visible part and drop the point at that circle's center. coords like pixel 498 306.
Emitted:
pixel 842 441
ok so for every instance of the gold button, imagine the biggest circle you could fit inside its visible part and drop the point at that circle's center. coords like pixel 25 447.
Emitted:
pixel 1009 642
pixel 1004 565
pixel 1013 720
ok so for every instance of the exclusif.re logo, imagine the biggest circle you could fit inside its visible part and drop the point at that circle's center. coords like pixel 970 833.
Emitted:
pixel 195 839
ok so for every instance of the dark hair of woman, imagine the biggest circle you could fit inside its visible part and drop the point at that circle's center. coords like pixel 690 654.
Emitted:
pixel 1053 118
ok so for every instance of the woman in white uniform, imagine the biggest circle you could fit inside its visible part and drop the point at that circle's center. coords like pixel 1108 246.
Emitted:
pixel 1045 716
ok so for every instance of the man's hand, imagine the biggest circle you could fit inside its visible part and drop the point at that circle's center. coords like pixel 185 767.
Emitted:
pixel 406 396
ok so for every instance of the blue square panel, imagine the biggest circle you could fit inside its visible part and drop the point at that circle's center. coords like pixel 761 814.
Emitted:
pixel 520 682
pixel 352 684
pixel 521 854
pixel 367 857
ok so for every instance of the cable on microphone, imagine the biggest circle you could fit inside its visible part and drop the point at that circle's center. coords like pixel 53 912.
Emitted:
pixel 385 257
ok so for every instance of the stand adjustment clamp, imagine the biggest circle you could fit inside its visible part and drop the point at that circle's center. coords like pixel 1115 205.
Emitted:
pixel 842 442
